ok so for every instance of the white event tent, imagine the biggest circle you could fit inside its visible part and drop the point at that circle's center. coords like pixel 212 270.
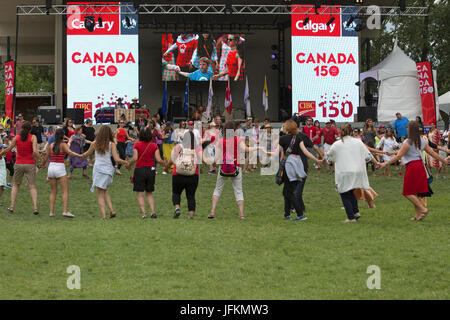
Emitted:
pixel 398 86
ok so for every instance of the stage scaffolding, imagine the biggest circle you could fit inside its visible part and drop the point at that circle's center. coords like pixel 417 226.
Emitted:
pixel 217 9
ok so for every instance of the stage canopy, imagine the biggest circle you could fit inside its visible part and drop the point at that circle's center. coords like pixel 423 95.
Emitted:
pixel 399 86
pixel 444 103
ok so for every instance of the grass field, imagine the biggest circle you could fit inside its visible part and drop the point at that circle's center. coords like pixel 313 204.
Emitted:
pixel 262 257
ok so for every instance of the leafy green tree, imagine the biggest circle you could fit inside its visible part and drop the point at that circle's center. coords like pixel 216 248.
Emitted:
pixel 33 78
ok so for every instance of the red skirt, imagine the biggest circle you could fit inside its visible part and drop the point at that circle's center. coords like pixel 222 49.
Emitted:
pixel 415 180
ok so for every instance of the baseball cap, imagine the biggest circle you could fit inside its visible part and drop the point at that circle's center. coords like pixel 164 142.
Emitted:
pixel 249 118
pixel 381 127
pixel 191 123
pixel 88 120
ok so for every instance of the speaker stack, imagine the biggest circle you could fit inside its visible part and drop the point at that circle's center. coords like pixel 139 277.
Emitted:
pixel 49 115
pixel 77 115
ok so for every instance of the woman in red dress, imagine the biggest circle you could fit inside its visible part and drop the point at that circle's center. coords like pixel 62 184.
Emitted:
pixel 415 180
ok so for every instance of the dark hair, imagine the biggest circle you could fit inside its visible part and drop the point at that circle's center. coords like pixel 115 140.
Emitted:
pixel 36 119
pixel 26 128
pixel 145 135
pixel 59 136
pixel 414 134
pixel 205 47
pixel 227 126
pixel 317 121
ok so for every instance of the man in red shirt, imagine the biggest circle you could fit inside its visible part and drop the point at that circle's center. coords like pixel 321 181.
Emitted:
pixel 312 133
pixel 330 134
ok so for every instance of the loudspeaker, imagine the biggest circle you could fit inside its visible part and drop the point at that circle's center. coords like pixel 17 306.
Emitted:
pixel 49 115
pixel 365 113
pixel 175 108
pixel 77 115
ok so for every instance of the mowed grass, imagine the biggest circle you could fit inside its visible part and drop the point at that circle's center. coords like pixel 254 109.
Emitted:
pixel 262 257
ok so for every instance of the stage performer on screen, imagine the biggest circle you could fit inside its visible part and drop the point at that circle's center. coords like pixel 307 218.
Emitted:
pixel 202 74
pixel 235 59
pixel 223 48
pixel 186 44
pixel 206 47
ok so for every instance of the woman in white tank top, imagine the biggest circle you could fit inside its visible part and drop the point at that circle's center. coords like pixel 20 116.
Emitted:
pixel 105 150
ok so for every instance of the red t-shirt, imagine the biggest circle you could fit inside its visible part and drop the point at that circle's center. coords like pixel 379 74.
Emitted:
pixel 319 138
pixel 311 132
pixel 24 150
pixel 185 51
pixel 329 135
pixel 148 159
pixel 121 135
pixel 237 141
pixel 9 156
pixel 233 64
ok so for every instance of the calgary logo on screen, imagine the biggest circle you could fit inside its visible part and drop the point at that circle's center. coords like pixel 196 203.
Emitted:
pixel 326 24
pixel 315 27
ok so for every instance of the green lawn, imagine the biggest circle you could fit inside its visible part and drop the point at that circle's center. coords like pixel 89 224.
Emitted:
pixel 262 257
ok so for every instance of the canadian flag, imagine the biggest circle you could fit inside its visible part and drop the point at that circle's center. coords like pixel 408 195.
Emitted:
pixel 228 101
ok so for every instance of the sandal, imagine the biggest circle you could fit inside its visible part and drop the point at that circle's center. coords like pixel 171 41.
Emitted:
pixel 11 210
pixel 211 216
pixel 241 217
pixel 112 215
pixel 35 212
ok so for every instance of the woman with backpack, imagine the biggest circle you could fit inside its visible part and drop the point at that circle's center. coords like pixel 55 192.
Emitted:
pixel 144 154
pixel 185 173
pixel 230 154
pixel 103 172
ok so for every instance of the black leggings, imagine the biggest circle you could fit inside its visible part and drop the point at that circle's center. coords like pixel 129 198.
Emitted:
pixel 293 197
pixel 121 147
pixel 10 167
pixel 179 183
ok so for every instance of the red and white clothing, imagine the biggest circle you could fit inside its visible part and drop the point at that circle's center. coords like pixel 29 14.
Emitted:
pixel 415 179
pixel 311 132
pixel 121 135
pixel 232 63
pixel 186 48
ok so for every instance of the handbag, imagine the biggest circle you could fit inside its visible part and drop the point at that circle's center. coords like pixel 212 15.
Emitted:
pixel 140 158
pixel 279 177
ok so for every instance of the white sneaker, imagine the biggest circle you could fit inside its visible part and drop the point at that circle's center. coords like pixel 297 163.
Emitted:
pixel 68 215
pixel 51 214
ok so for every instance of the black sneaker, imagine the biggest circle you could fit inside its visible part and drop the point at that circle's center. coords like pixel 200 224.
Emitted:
pixel 287 218
pixel 153 216
pixel 177 213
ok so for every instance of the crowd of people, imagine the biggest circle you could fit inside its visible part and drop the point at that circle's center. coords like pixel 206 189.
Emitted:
pixel 230 150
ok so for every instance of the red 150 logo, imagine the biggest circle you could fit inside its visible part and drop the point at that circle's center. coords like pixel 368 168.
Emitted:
pixel 333 107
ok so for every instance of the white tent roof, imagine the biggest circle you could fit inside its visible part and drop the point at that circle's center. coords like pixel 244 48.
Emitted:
pixel 444 103
pixel 396 64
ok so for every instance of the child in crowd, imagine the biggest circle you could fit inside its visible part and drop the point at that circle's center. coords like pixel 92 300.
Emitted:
pixel 10 159
pixel 2 170
pixel 76 144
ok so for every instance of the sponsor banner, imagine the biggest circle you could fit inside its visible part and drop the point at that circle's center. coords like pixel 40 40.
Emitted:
pixel 325 67
pixel 86 106
pixel 427 94
pixel 102 65
pixel 9 88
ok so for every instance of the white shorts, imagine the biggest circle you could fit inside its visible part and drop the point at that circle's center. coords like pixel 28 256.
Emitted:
pixel 56 170
pixel 236 182
pixel 326 148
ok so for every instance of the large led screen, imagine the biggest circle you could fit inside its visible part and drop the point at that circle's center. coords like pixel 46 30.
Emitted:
pixel 325 65
pixel 201 57
pixel 102 62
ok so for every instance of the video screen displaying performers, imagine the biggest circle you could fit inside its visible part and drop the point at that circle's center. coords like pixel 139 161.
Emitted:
pixel 202 57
